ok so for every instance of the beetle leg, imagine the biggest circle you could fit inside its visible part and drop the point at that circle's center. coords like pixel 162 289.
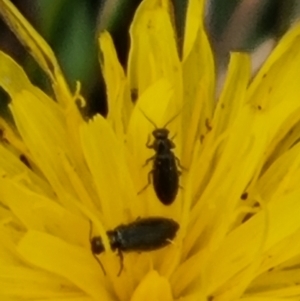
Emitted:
pixel 148 142
pixel 149 182
pixel 179 164
pixel 120 254
pixel 173 145
pixel 148 160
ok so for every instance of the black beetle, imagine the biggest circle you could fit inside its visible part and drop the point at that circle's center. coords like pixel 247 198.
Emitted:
pixel 165 173
pixel 142 235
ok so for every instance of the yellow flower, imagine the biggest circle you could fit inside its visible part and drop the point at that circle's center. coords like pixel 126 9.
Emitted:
pixel 239 205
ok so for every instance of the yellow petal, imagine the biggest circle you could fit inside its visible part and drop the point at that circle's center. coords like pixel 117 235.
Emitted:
pixel 198 63
pixel 232 97
pixel 13 167
pixel 257 235
pixel 23 282
pixel 153 287
pixel 118 96
pixel 106 161
pixel 55 255
pixel 38 48
pixel 14 80
pixel 41 125
pixel 153 53
pixel 280 53
pixel 194 23
pixel 37 212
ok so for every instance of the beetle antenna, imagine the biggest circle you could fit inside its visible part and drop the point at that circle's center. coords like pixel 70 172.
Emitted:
pixel 155 126
pixel 91 230
pixel 175 116
pixel 97 259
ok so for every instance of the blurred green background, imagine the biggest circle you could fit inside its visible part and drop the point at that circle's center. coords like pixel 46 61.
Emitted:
pixel 71 27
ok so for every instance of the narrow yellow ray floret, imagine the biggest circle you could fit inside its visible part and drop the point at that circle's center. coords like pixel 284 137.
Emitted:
pixel 64 180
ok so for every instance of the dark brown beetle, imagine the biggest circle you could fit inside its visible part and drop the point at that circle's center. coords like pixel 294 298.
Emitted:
pixel 142 235
pixel 165 173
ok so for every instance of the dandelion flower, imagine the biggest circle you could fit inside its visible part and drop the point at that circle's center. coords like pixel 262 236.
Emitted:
pixel 239 202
